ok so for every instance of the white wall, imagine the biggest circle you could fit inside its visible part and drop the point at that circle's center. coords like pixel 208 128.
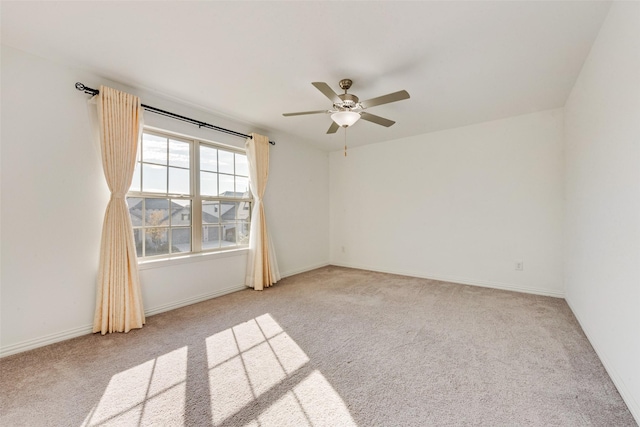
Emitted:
pixel 602 273
pixel 54 195
pixel 459 205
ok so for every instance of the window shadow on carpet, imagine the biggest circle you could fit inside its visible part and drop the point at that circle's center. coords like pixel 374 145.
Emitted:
pixel 255 375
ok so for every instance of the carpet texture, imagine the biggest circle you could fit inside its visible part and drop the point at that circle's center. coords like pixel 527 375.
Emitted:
pixel 334 347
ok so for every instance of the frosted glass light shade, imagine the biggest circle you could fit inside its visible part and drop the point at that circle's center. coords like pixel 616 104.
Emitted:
pixel 345 118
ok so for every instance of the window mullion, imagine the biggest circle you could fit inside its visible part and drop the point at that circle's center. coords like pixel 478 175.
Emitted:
pixel 196 204
pixel 168 151
pixel 143 234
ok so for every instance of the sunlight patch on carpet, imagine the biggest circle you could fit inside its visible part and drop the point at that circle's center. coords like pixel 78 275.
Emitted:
pixel 250 360
pixel 246 361
pixel 313 402
pixel 257 376
pixel 144 393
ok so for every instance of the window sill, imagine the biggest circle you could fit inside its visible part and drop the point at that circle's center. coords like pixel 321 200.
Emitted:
pixel 187 259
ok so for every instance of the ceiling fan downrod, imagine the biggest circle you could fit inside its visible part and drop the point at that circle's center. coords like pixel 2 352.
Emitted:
pixel 349 101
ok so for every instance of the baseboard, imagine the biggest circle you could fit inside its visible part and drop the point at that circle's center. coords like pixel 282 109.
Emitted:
pixel 303 270
pixel 45 340
pixel 88 329
pixel 461 280
pixel 194 300
pixel 627 396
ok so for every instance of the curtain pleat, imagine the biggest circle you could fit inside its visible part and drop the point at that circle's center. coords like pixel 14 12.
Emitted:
pixel 262 267
pixel 118 300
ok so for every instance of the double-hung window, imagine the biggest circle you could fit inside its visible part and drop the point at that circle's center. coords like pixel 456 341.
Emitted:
pixel 188 196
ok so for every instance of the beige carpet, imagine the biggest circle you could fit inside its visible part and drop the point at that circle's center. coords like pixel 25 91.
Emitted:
pixel 331 347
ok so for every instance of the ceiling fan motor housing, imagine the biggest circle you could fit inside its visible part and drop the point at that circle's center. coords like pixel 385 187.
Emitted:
pixel 348 101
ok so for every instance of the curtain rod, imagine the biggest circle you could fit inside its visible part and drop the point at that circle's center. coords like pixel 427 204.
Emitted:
pixel 198 123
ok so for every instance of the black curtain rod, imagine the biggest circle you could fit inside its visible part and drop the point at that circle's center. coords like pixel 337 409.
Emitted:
pixel 198 123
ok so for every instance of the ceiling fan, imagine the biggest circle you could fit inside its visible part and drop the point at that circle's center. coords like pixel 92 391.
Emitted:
pixel 348 109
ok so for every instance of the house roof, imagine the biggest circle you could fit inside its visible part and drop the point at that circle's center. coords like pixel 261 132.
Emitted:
pixel 208 216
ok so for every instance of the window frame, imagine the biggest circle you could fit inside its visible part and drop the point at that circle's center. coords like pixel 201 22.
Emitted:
pixel 196 223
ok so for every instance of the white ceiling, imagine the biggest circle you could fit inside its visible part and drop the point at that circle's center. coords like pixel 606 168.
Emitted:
pixel 462 62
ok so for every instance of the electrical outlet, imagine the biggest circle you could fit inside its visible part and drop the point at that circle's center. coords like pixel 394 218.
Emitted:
pixel 342 247
pixel 519 265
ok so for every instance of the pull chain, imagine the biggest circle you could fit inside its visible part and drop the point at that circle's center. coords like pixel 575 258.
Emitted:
pixel 345 141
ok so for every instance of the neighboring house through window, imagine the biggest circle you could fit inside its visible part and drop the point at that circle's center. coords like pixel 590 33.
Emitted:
pixel 188 195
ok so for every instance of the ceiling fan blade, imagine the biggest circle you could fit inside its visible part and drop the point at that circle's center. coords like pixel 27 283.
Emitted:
pixel 301 113
pixel 376 119
pixel 333 128
pixel 327 91
pixel 385 99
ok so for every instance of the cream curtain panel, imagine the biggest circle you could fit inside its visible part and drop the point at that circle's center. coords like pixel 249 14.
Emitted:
pixel 262 267
pixel 118 301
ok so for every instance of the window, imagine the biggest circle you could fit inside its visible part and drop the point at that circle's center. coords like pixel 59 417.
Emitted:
pixel 188 196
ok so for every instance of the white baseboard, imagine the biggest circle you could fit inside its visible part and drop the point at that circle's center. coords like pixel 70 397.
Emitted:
pixel 303 270
pixel 193 300
pixel 627 396
pixel 45 340
pixel 88 329
pixel 461 280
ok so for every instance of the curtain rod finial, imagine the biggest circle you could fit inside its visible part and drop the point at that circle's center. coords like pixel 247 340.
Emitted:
pixel 86 89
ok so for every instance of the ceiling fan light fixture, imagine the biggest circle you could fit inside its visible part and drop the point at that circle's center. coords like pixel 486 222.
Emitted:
pixel 345 118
